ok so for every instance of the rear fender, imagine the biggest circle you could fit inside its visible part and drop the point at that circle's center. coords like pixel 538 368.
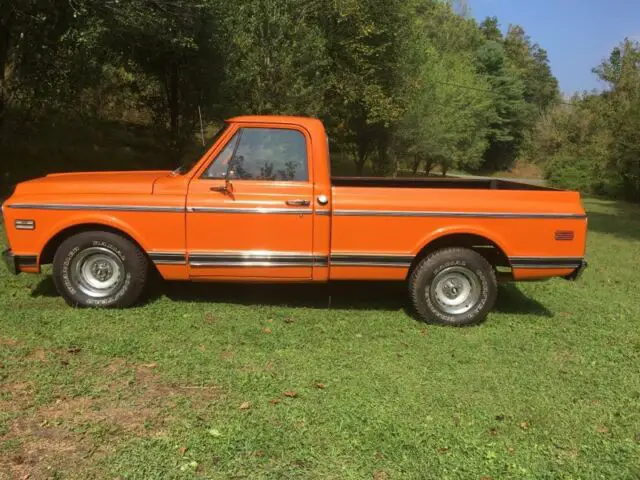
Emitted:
pixel 461 230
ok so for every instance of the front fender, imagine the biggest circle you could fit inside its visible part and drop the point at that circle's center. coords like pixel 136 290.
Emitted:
pixel 81 219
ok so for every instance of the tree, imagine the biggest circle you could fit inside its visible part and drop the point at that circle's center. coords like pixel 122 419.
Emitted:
pixel 622 71
pixel 30 40
pixel 531 63
pixel 593 144
pixel 448 104
pixel 276 60
pixel 174 43
pixel 506 129
pixel 412 82
pixel 362 100
pixel 490 28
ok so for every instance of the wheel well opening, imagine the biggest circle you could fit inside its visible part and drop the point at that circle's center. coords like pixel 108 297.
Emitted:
pixel 482 245
pixel 49 250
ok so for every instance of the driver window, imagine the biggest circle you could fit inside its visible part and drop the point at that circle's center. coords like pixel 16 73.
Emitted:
pixel 218 168
pixel 271 154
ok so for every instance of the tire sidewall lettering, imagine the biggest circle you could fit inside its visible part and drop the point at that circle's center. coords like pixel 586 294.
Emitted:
pixel 109 246
pixel 66 276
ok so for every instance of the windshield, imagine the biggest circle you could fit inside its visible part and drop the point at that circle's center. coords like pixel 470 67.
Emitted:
pixel 193 155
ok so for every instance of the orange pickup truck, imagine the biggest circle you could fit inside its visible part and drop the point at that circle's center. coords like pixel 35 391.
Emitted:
pixel 261 206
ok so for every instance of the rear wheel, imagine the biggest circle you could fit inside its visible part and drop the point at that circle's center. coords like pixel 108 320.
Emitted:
pixel 453 286
pixel 100 269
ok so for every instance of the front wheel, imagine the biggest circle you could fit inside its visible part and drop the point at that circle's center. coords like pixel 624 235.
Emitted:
pixel 453 286
pixel 100 269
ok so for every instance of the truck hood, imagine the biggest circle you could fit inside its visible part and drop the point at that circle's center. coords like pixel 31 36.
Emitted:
pixel 93 182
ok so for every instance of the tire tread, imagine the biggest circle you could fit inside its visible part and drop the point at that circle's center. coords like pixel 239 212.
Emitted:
pixel 139 271
pixel 426 263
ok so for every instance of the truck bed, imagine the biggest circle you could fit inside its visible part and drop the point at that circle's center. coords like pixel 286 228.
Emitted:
pixel 436 182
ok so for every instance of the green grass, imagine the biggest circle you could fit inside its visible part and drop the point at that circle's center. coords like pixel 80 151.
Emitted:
pixel 548 387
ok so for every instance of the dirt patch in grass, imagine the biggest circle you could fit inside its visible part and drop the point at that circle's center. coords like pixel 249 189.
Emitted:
pixel 522 169
pixel 73 433
pixel 38 355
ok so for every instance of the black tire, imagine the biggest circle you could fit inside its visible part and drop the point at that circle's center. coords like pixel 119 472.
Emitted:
pixel 447 272
pixel 85 259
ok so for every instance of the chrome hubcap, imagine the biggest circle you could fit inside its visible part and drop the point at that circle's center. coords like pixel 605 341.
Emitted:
pixel 97 272
pixel 455 290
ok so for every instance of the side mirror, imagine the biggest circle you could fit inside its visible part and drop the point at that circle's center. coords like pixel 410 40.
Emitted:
pixel 228 184
pixel 227 188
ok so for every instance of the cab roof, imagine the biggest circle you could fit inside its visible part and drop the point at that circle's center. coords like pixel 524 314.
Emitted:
pixel 283 119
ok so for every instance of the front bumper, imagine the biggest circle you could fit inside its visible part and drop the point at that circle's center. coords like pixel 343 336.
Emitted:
pixel 577 273
pixel 15 263
pixel 10 259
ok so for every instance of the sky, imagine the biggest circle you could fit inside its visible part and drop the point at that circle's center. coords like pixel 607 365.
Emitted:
pixel 577 34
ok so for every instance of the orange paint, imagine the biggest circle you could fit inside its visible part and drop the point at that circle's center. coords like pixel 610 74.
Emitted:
pixel 284 231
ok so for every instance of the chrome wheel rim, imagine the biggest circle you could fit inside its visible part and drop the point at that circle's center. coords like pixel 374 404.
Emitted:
pixel 455 290
pixel 97 272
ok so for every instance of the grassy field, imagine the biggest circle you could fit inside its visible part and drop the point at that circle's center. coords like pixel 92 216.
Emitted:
pixel 210 381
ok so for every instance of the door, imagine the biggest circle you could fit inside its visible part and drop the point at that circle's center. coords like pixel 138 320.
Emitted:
pixel 249 215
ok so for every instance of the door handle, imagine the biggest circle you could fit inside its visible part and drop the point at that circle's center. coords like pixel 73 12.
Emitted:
pixel 298 203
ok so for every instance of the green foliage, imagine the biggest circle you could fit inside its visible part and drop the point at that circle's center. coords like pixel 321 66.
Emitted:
pixel 446 103
pixel 531 64
pixel 623 72
pixel 276 60
pixel 507 126
pixel 399 83
pixel 490 28
pixel 444 125
pixel 572 173
pixel 362 99
pixel 594 141
pixel 523 87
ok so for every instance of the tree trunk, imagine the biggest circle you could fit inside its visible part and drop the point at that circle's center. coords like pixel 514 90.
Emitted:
pixel 361 159
pixel 173 100
pixel 416 164
pixel 429 166
pixel 5 44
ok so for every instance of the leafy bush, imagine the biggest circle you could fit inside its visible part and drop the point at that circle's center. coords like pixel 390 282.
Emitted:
pixel 574 173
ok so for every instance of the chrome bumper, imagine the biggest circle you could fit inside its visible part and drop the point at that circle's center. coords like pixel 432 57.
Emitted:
pixel 15 263
pixel 10 259
pixel 577 273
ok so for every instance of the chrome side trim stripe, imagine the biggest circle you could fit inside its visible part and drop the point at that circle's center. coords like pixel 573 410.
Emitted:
pixel 352 260
pixel 248 264
pixel 255 259
pixel 279 259
pixel 162 258
pixel 289 259
pixel 546 262
pixel 295 211
pixel 502 215
pixel 276 211
pixel 108 208
pixel 320 261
